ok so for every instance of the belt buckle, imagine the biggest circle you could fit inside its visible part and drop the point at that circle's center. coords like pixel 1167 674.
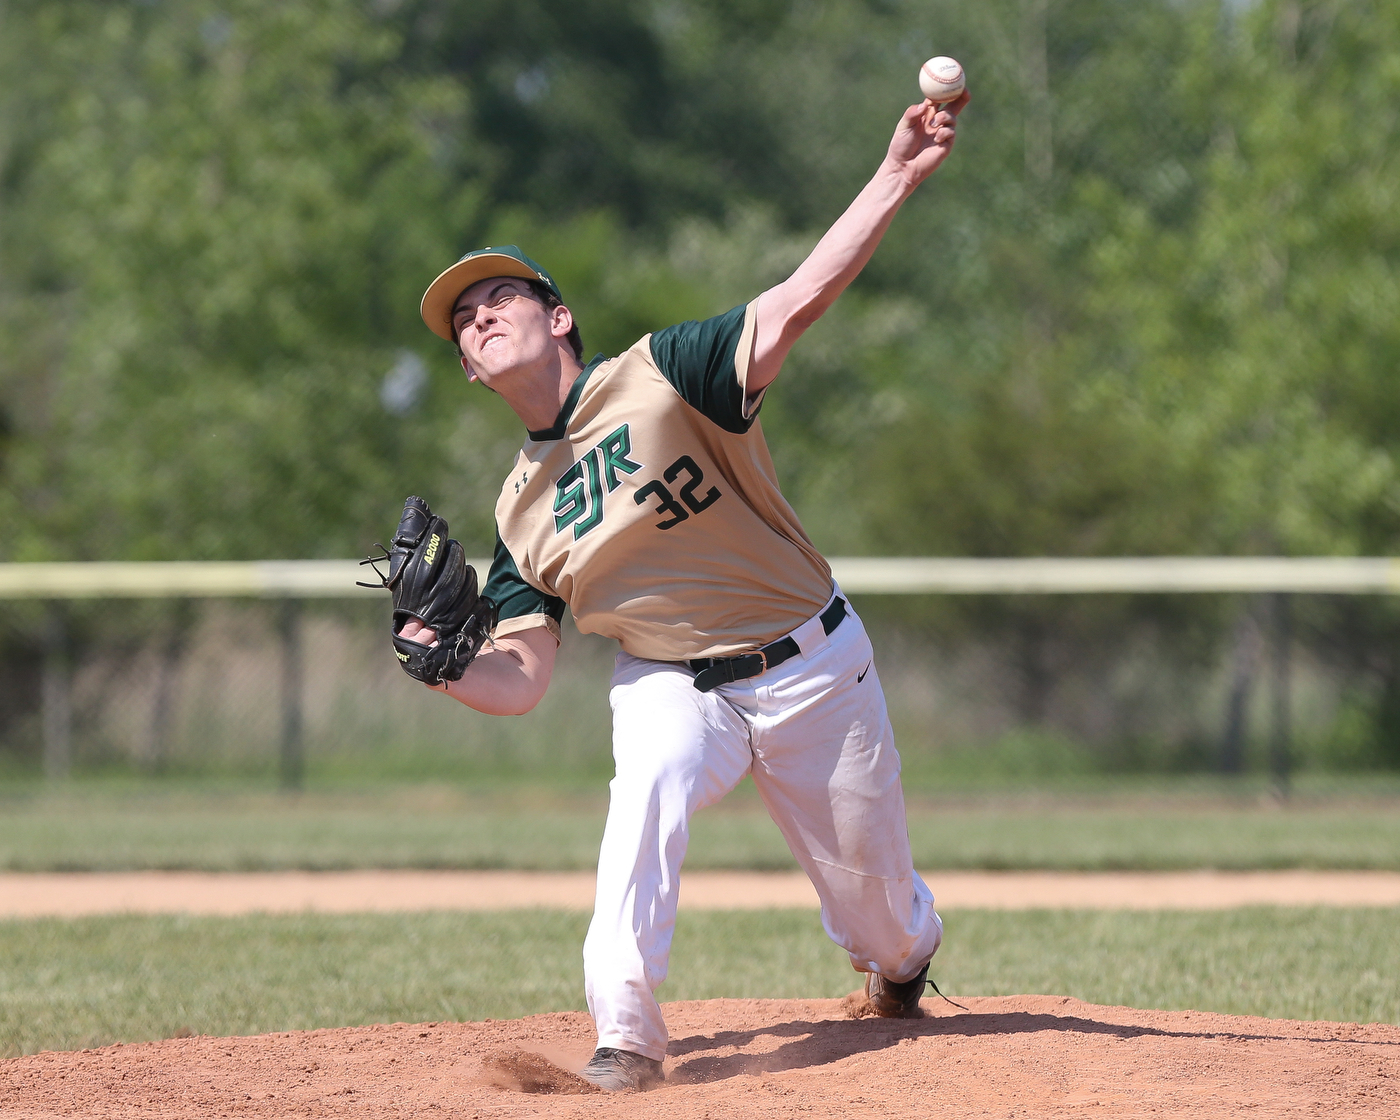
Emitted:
pixel 763 660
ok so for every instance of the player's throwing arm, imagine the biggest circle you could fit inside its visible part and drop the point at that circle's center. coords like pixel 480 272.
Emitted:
pixel 921 142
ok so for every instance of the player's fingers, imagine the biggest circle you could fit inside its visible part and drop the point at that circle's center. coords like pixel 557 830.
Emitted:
pixel 415 631
pixel 936 117
pixel 913 114
pixel 942 119
pixel 913 123
pixel 943 116
pixel 939 130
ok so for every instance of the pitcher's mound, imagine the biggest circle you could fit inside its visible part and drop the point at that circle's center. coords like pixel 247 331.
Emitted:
pixel 1041 1055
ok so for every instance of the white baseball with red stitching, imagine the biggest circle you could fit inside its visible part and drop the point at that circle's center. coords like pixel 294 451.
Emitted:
pixel 941 79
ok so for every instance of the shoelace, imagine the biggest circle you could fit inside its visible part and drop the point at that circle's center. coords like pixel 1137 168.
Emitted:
pixel 945 999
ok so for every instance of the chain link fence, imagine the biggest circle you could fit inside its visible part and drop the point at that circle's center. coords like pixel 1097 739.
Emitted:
pixel 291 671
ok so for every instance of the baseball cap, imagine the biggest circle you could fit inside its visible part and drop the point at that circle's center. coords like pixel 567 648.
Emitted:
pixel 479 264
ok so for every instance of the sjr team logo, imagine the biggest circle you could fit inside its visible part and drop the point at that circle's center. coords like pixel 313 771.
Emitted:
pixel 578 495
pixel 579 501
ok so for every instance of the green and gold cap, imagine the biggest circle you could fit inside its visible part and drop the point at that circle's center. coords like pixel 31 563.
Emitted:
pixel 479 264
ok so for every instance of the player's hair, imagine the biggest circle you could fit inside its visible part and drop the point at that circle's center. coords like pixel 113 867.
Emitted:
pixel 551 301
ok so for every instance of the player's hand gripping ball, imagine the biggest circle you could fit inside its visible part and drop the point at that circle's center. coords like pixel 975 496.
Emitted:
pixel 432 582
pixel 941 79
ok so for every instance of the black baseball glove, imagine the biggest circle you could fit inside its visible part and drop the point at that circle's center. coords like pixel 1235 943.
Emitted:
pixel 431 581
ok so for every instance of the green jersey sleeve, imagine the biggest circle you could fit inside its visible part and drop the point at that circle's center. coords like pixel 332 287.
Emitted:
pixel 514 598
pixel 699 360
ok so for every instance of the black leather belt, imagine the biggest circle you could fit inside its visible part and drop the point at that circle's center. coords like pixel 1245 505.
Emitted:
pixel 711 672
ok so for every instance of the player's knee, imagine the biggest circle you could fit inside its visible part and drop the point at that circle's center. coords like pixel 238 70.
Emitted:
pixel 892 938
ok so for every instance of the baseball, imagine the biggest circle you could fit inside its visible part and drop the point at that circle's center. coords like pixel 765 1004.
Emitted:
pixel 941 79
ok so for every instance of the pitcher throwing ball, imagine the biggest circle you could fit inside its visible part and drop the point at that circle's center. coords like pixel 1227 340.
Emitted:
pixel 644 499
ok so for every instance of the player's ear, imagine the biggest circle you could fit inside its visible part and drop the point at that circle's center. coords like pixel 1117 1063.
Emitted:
pixel 467 369
pixel 561 321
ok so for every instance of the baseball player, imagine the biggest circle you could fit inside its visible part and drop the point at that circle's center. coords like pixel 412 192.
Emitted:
pixel 644 499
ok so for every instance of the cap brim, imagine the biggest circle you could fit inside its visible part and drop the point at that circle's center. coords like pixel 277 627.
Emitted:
pixel 442 293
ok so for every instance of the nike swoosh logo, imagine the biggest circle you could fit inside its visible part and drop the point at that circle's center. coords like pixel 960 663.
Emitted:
pixel 863 672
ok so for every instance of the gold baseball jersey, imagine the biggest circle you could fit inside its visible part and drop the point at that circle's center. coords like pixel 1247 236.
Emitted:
pixel 652 508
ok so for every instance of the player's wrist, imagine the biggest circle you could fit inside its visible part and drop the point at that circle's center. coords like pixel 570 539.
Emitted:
pixel 899 178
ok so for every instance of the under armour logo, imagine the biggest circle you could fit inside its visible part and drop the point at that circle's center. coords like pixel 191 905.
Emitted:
pixel 524 478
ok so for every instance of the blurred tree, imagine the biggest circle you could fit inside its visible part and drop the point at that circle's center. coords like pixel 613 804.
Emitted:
pixel 1255 335
pixel 232 208
pixel 1148 307
pixel 571 105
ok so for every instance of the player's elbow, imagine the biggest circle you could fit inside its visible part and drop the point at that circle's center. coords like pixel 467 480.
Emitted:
pixel 498 702
pixel 522 692
pixel 803 317
pixel 500 694
pixel 523 702
pixel 790 313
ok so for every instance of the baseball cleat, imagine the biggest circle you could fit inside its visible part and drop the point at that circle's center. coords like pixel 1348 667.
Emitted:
pixel 891 1000
pixel 615 1070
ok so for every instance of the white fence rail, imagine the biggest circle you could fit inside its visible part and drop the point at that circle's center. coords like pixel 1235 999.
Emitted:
pixel 295 580
pixel 159 579
pixel 859 575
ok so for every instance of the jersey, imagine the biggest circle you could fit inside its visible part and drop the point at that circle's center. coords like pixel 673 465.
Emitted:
pixel 652 509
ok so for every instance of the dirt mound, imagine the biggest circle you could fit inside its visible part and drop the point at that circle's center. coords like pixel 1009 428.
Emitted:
pixel 1042 1055
pixel 526 1072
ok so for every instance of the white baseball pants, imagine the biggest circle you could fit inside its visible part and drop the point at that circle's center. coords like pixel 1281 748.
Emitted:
pixel 814 733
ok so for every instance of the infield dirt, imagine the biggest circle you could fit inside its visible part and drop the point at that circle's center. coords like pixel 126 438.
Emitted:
pixel 69 895
pixel 1042 1056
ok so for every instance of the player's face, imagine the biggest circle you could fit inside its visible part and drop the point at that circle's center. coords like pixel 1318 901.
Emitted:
pixel 502 327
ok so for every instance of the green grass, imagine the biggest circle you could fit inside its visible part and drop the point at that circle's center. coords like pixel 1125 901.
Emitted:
pixel 72 984
pixel 1156 838
pixel 426 827
pixel 271 833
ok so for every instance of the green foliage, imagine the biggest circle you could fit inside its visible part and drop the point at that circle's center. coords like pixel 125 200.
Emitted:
pixel 1147 308
pixel 236 205
pixel 1250 336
